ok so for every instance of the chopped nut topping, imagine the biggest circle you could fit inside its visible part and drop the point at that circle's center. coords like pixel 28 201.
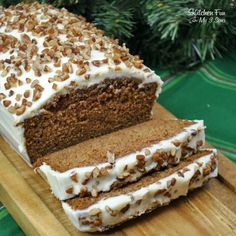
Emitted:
pixel 95 212
pixel 176 143
pixel 125 168
pixel 213 163
pixel 94 192
pixel 96 172
pixel 83 191
pixel 27 93
pixel 190 138
pixel 20 110
pixel 7 86
pixel 25 39
pixel 199 143
pixel 185 169
pixel 160 191
pixel 180 174
pixel 194 132
pixel 6 103
pixel 141 162
pixel 111 211
pixel 28 80
pixel 69 190
pixel 29 104
pixel 74 177
pixel 34 83
pixel 195 177
pixel 2 96
pixel 118 68
pixel 105 61
pixel 126 174
pixel 206 170
pixel 87 77
pixel 104 172
pixel 157 157
pixel 173 152
pixel 167 194
pixel 138 65
pixel 125 208
pixel 173 181
pixel 199 163
pixel 81 71
pixel 140 157
pixel 24 102
pixel 36 95
pixel 117 61
pixel 54 86
pixel 97 222
pixel 85 221
pixel 96 63
pixel 18 97
pixel 138 202
pixel 109 166
pixel 47 69
pixel 88 175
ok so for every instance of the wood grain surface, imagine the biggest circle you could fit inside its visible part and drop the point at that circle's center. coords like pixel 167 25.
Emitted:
pixel 210 210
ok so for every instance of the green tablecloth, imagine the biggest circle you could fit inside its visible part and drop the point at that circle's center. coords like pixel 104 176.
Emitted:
pixel 8 226
pixel 208 93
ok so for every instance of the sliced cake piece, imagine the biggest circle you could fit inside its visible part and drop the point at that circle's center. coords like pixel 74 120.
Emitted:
pixel 152 191
pixel 112 160
pixel 63 81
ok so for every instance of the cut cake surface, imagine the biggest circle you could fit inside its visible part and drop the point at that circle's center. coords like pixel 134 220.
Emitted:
pixel 124 156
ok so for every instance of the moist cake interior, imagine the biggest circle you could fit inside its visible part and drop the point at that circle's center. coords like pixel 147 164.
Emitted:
pixel 87 113
pixel 120 143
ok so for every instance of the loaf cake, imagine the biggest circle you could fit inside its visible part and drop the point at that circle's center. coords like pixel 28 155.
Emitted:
pixel 63 84
pixel 115 159
pixel 63 81
pixel 152 191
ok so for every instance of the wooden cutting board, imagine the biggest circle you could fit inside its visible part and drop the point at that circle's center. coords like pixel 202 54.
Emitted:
pixel 210 210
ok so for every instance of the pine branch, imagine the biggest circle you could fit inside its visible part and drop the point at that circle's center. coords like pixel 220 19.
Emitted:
pixel 160 30
pixel 60 3
pixel 190 43
pixel 115 18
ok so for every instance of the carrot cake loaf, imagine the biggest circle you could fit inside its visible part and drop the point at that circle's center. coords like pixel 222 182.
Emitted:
pixel 113 160
pixel 63 81
pixel 152 191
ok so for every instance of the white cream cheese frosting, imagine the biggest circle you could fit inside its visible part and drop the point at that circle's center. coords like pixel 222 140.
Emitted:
pixel 114 210
pixel 72 182
pixel 39 59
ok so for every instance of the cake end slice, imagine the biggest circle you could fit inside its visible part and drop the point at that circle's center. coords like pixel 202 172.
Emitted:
pixel 113 160
pixel 152 191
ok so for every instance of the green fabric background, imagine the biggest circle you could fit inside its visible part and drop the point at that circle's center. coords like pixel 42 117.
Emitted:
pixel 207 93
pixel 8 226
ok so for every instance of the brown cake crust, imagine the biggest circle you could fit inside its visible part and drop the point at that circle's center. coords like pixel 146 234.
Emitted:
pixel 85 202
pixel 87 113
pixel 120 143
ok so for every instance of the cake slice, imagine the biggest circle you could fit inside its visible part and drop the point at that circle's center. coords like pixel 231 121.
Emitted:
pixel 63 81
pixel 152 191
pixel 112 160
